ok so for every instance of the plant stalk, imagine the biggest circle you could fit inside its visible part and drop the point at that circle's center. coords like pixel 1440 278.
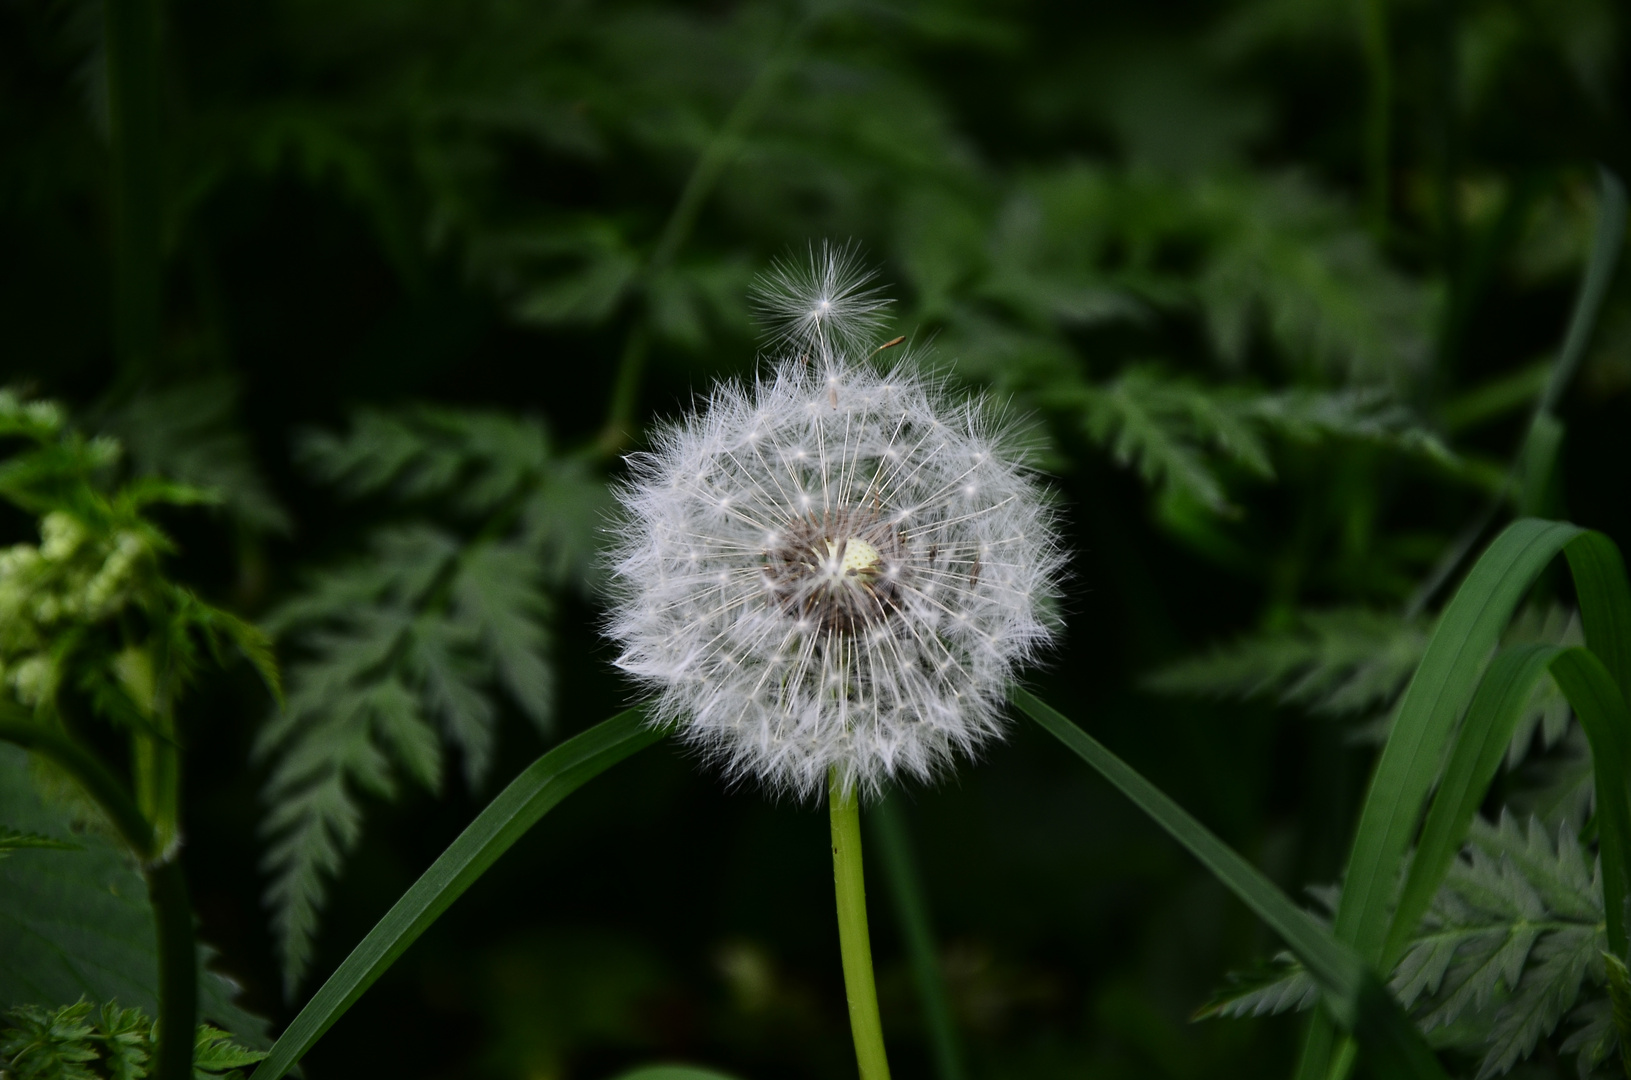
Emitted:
pixel 854 945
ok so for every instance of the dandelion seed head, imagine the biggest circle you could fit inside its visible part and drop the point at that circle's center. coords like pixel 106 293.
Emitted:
pixel 835 566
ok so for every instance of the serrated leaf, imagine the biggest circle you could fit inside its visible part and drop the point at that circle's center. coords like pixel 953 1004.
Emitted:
pixel 498 591
pixel 1284 985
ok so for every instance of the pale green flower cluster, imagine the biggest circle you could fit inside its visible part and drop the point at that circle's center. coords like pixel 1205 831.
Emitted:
pixel 71 577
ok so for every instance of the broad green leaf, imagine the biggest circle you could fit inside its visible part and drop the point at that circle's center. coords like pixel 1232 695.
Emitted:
pixel 77 922
pixel 506 819
pixel 1353 995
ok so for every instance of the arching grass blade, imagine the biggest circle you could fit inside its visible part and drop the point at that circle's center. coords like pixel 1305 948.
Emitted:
pixel 1353 994
pixel 1432 703
pixel 1602 711
pixel 505 820
pixel 1493 716
pixel 1604 593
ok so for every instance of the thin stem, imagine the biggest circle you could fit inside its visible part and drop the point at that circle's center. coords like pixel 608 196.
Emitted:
pixel 854 945
pixel 906 887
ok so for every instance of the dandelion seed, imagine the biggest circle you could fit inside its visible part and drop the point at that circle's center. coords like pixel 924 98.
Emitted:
pixel 865 602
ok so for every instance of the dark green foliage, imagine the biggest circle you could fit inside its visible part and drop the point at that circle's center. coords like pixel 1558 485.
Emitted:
pixel 408 646
pixel 77 1042
pixel 1513 938
pixel 1276 286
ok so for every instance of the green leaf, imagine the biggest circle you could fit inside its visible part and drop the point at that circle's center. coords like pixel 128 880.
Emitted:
pixel 1354 996
pixel 1165 426
pixel 13 840
pixel 505 820
pixel 499 592
pixel 77 923
pixel 1466 634
pixel 1501 702
pixel 1607 722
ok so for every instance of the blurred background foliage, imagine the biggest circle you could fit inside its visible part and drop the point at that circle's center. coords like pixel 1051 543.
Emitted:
pixel 1278 283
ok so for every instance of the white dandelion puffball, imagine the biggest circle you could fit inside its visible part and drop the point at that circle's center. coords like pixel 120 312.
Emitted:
pixel 836 567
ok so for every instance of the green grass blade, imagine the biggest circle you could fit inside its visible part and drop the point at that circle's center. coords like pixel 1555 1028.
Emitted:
pixel 1466 635
pixel 506 819
pixel 1353 994
pixel 1480 745
pixel 1605 603
pixel 894 847
pixel 1602 711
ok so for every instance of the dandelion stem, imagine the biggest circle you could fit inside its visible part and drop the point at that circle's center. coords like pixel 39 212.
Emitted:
pixel 853 943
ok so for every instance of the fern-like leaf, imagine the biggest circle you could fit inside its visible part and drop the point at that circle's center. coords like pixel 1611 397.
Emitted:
pixel 404 651
pixel 1167 427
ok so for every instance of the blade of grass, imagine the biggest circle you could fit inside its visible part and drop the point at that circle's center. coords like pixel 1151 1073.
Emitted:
pixel 1354 995
pixel 1602 712
pixel 1466 633
pixel 1432 703
pixel 1604 593
pixel 1493 716
pixel 506 819
pixel 894 845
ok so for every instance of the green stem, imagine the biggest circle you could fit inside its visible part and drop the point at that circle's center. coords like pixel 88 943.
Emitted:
pixel 906 888
pixel 178 969
pixel 849 881
pixel 172 913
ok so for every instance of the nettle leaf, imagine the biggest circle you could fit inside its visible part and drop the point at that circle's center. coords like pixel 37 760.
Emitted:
pixel 75 919
pixel 414 647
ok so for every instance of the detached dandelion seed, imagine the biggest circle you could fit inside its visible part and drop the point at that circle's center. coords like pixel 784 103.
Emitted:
pixel 832 574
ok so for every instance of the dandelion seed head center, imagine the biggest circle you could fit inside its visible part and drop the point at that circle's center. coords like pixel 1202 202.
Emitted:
pixel 840 572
